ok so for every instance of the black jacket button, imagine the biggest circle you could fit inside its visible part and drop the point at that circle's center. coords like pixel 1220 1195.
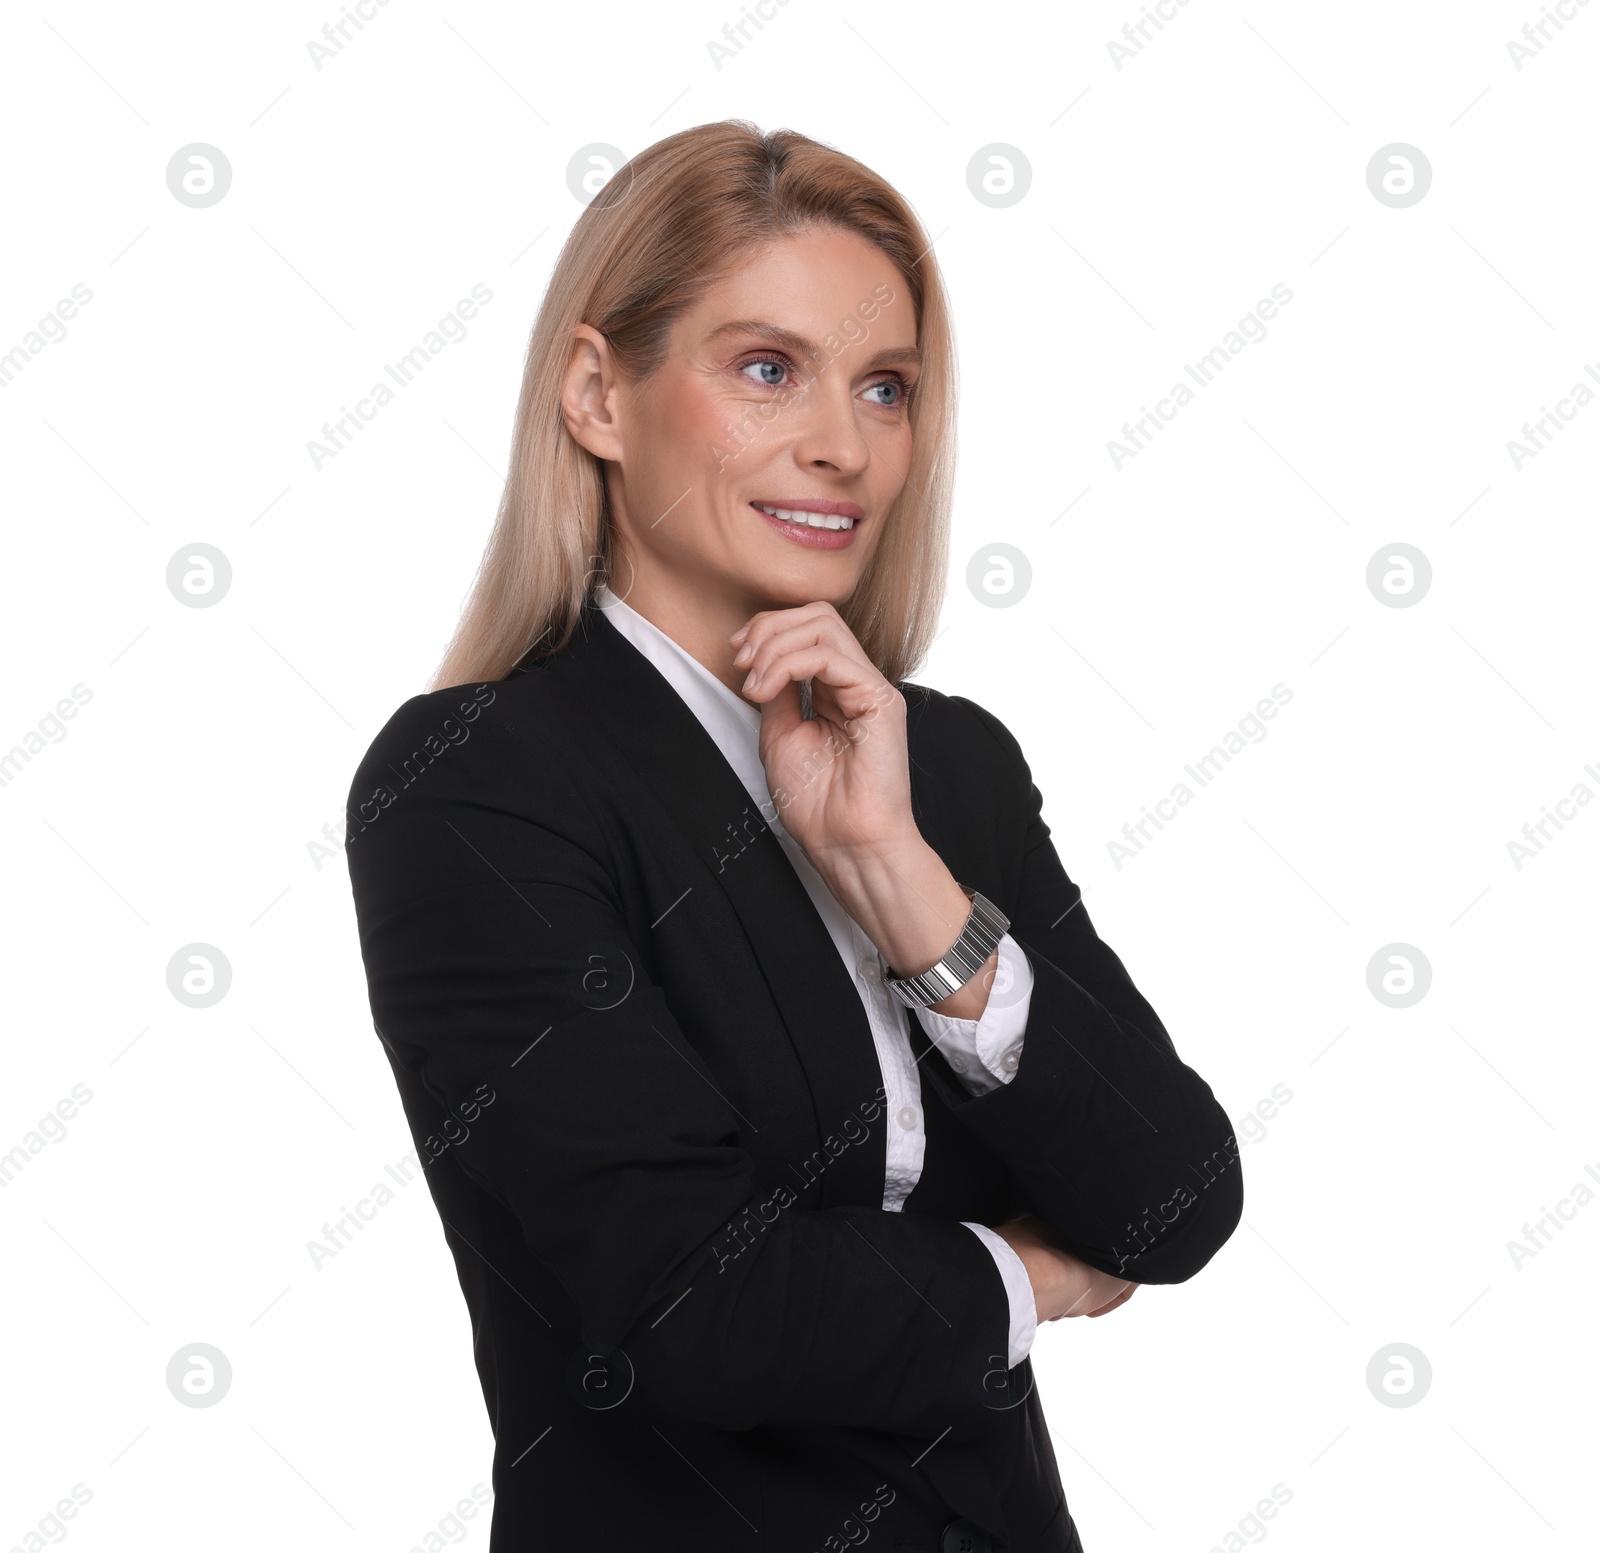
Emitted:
pixel 961 1536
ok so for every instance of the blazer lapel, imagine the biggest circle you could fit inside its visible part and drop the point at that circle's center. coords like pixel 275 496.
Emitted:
pixel 663 742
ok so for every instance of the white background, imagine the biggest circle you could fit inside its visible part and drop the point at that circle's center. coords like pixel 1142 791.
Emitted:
pixel 182 803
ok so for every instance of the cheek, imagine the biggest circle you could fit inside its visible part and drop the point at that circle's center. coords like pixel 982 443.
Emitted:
pixel 891 449
pixel 899 440
pixel 693 415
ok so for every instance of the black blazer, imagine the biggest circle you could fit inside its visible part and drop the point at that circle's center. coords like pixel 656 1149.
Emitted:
pixel 652 1118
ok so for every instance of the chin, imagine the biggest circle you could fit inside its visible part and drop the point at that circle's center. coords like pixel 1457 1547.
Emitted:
pixel 807 585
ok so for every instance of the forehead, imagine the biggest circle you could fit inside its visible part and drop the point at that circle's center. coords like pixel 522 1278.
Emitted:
pixel 811 284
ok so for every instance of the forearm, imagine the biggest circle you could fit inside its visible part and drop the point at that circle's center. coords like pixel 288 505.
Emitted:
pixel 848 1315
pixel 1114 1141
pixel 912 908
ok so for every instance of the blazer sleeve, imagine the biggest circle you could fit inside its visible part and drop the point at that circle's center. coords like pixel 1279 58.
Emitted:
pixel 495 952
pixel 1110 1137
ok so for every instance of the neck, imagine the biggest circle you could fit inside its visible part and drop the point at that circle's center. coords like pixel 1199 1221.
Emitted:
pixel 700 620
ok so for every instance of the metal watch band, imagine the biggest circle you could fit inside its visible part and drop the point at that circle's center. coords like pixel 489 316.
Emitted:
pixel 963 961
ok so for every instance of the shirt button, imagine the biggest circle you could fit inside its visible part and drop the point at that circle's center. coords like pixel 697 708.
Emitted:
pixel 1009 1062
pixel 870 971
pixel 907 1117
pixel 959 1063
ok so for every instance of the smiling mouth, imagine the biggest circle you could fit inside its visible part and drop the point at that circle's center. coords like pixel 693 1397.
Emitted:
pixel 805 518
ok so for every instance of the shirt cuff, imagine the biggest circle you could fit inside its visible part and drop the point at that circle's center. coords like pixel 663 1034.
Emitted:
pixel 1019 1291
pixel 986 1052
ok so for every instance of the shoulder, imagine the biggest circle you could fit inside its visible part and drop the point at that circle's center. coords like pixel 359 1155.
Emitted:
pixel 426 728
pixel 467 744
pixel 971 786
pixel 955 732
pixel 971 791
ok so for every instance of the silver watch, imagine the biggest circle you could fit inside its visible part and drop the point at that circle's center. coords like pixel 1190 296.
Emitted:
pixel 961 963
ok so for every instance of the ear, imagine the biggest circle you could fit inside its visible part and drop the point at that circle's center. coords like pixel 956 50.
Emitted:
pixel 591 391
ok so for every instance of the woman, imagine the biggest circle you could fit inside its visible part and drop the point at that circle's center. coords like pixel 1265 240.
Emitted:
pixel 772 1082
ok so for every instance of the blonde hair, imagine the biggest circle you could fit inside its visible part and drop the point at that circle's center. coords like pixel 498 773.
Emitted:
pixel 664 227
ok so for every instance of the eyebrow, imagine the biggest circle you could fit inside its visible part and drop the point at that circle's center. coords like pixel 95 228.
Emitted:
pixel 776 334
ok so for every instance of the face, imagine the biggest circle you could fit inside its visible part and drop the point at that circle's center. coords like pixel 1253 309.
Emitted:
pixel 755 467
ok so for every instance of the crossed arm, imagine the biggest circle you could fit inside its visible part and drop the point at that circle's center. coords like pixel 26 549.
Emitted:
pixel 1121 1149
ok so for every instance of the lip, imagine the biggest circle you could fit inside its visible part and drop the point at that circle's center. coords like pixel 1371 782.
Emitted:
pixel 832 509
pixel 813 538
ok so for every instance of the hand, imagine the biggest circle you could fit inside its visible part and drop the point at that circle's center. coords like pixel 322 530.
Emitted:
pixel 841 782
pixel 1063 1284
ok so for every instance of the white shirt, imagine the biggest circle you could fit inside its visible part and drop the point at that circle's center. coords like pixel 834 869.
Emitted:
pixel 984 1052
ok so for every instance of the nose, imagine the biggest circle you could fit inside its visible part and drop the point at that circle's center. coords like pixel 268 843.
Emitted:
pixel 829 436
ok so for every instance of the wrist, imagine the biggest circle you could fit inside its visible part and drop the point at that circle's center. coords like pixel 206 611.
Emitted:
pixel 958 984
pixel 904 898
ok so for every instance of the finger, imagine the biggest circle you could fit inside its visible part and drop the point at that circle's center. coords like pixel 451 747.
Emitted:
pixel 780 715
pixel 1110 1305
pixel 763 647
pixel 765 618
pixel 1100 1293
pixel 1081 1305
pixel 857 689
pixel 765 621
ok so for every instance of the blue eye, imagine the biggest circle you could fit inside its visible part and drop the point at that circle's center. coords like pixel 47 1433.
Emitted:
pixel 898 388
pixel 771 372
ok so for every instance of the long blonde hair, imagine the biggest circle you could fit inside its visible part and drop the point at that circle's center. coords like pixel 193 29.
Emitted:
pixel 665 226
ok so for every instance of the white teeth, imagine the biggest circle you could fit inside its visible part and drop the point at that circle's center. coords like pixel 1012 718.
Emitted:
pixel 807 519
